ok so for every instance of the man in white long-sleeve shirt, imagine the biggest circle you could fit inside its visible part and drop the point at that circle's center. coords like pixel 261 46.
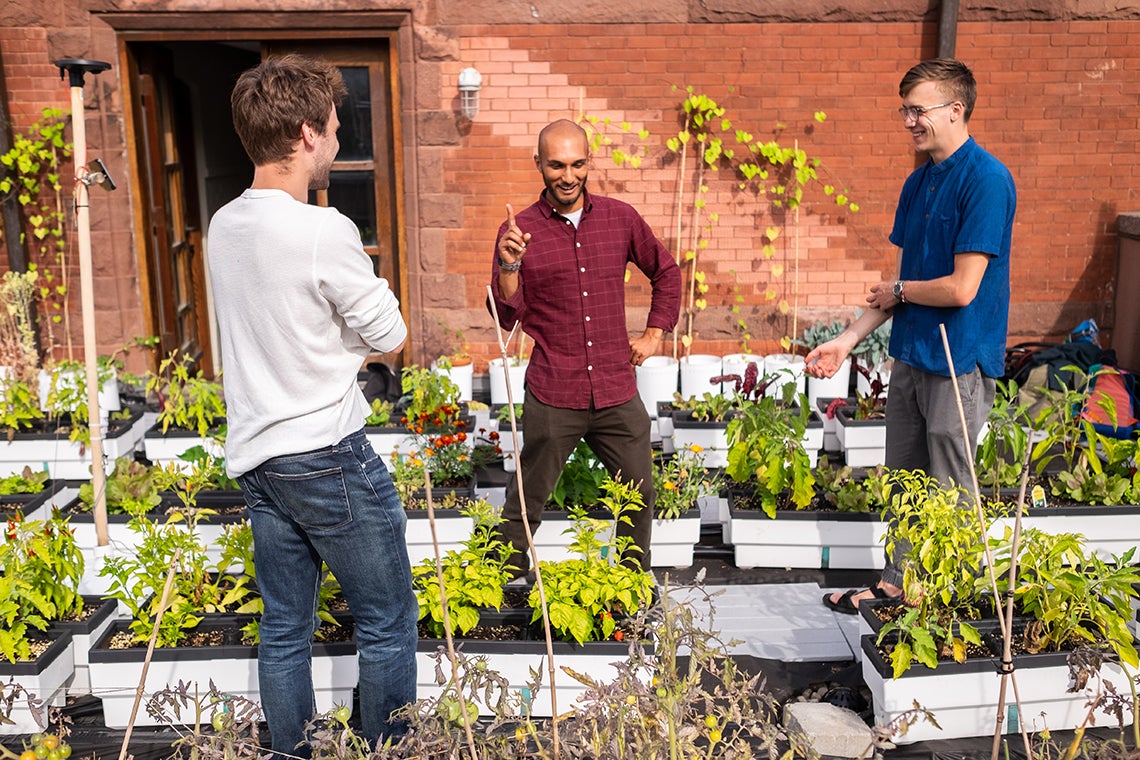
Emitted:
pixel 299 308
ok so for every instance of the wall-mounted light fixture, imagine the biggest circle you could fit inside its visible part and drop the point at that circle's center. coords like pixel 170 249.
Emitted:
pixel 470 81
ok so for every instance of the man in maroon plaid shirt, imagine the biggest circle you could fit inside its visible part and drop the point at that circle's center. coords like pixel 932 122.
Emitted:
pixel 559 270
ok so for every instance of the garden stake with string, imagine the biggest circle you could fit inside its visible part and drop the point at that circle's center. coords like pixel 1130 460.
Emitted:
pixel 526 524
pixel 162 604
pixel 1006 625
pixel 446 622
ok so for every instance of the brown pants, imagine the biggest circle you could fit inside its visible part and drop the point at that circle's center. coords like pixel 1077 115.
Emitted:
pixel 618 436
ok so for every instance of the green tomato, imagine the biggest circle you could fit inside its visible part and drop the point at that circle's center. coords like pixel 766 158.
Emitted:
pixel 65 751
pixel 219 721
pixel 341 714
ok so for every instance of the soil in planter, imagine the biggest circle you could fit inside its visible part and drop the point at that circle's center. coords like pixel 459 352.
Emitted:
pixel 60 427
pixel 226 636
pixel 480 632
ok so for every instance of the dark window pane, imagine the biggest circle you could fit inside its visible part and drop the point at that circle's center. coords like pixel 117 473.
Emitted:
pixel 354 195
pixel 355 115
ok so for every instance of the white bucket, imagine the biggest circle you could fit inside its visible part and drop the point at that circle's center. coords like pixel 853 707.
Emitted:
pixel 656 381
pixel 736 364
pixel 787 369
pixel 498 378
pixel 462 375
pixel 696 371
pixel 835 386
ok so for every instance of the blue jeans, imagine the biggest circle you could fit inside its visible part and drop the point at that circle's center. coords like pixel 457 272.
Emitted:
pixel 335 504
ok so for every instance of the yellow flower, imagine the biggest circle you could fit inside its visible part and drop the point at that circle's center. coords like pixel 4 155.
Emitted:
pixel 668 485
pixel 696 448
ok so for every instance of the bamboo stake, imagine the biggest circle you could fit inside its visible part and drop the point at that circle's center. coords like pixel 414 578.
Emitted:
pixel 526 523
pixel 1005 625
pixel 680 201
pixel 447 617
pixel 162 604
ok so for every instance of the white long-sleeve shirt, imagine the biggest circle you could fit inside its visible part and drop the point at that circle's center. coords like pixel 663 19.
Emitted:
pixel 299 309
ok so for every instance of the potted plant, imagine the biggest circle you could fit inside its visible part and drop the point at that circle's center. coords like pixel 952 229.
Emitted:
pixel 456 364
pixel 39 584
pixel 703 422
pixel 191 411
pixel 679 481
pixel 31 495
pixel 862 429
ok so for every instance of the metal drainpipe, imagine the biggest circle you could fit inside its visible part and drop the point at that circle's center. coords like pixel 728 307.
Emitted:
pixel 10 207
pixel 947 28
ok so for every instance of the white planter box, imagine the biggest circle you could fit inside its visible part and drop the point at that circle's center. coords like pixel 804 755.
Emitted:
pixel 452 529
pixel 83 635
pixel 166 448
pixel 64 459
pixel 708 435
pixel 1107 530
pixel 45 678
pixel 115 674
pixel 864 442
pixel 513 660
pixel 390 443
pixel 673 540
pixel 804 539
pixel 964 697
pixel 831 441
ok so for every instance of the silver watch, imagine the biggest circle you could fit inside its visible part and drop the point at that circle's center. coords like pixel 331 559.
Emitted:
pixel 897 291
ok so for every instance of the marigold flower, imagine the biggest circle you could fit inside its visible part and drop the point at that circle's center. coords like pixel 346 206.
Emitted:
pixel 696 448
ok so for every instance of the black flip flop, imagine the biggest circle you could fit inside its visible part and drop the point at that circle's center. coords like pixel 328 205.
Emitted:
pixel 843 604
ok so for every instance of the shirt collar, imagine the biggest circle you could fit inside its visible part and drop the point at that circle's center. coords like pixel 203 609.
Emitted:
pixel 548 210
pixel 954 158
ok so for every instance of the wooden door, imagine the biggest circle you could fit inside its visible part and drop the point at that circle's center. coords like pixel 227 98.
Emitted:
pixel 173 272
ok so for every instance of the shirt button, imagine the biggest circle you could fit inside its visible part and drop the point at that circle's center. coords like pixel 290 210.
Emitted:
pixel 583 269
pixel 589 367
pixel 589 343
pixel 587 319
pixel 585 293
pixel 578 245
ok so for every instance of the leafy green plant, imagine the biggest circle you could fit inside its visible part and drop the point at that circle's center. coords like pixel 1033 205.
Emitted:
pixel 1071 594
pixel 132 488
pixel 1001 451
pixel 1104 472
pixel 187 401
pixel 873 404
pixel 41 566
pixel 944 558
pixel 774 174
pixel 380 414
pixel 766 451
pixel 584 594
pixel 710 406
pixel 581 480
pixel 214 467
pixel 19 407
pixel 32 171
pixel 679 481
pixel 137 581
pixel 24 482
pixel 504 415
pixel 842 490
pixel 473 577
pixel 431 399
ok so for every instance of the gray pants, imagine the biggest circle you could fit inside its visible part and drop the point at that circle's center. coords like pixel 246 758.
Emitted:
pixel 924 431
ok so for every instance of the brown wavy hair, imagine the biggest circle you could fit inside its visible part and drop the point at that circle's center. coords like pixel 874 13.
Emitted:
pixel 271 101
pixel 953 77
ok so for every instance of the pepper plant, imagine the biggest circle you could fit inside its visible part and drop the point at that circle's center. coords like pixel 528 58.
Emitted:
pixel 473 577
pixel 944 557
pixel 187 401
pixel 39 584
pixel 584 594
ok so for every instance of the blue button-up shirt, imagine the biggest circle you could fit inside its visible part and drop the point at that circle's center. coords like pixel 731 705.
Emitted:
pixel 964 204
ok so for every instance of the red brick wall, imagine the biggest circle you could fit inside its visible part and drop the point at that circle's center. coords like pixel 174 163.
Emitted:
pixel 1058 103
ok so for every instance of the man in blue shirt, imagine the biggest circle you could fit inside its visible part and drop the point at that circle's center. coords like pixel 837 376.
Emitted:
pixel 953 227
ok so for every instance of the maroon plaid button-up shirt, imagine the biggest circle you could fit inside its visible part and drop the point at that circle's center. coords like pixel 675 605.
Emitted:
pixel 571 299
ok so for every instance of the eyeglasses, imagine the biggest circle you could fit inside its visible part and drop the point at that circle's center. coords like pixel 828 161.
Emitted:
pixel 913 112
